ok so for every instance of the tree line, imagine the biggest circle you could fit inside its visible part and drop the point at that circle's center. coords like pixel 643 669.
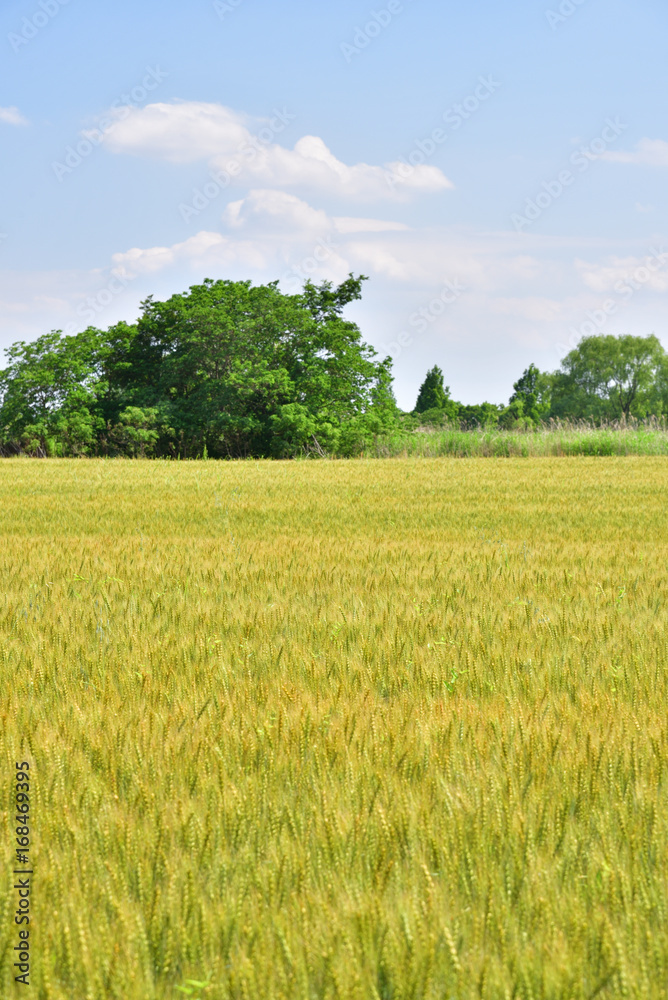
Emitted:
pixel 228 369
pixel 602 380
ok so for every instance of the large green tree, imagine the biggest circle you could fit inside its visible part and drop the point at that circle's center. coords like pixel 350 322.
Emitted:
pixel 231 366
pixel 607 377
pixel 225 368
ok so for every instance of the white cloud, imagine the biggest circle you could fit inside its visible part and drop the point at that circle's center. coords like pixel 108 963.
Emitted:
pixel 181 133
pixel 275 211
pixel 380 259
pixel 346 224
pixel 533 308
pixel 273 234
pixel 278 232
pixel 269 210
pixel 136 261
pixel 650 272
pixel 272 231
pixel 12 116
pixel 201 253
pixel 189 131
pixel 648 152
pixel 423 259
pixel 266 231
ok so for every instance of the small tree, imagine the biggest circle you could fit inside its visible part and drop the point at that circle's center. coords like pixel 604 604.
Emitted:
pixel 433 394
pixel 136 433
pixel 531 399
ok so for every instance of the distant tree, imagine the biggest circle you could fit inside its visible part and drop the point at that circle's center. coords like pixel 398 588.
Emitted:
pixel 436 417
pixel 530 401
pixel 433 394
pixel 480 414
pixel 612 377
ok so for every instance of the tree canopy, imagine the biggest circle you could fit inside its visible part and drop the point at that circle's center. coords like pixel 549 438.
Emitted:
pixel 433 394
pixel 229 369
pixel 226 367
pixel 604 378
pixel 612 377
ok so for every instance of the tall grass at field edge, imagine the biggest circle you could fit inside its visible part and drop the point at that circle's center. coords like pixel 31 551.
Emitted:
pixel 552 440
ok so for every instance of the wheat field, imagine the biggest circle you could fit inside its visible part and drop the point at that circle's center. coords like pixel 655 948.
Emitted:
pixel 367 729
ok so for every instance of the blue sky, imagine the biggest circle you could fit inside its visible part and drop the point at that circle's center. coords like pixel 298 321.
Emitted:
pixel 497 170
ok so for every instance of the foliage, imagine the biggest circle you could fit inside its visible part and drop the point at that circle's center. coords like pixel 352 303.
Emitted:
pixel 295 734
pixel 433 395
pixel 296 431
pixel 553 438
pixel 479 415
pixel 611 377
pixel 224 361
pixel 225 368
pixel 531 399
pixel 230 370
pixel 435 417
pixel 136 434
pixel 50 393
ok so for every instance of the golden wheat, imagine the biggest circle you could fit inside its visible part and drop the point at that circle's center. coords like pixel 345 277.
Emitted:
pixel 386 729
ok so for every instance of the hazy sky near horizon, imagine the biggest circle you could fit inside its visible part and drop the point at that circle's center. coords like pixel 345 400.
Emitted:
pixel 498 171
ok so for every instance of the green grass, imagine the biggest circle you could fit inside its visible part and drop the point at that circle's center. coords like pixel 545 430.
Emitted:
pixel 385 729
pixel 555 439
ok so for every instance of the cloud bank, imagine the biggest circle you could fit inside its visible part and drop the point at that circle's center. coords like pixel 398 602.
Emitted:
pixel 648 153
pixel 190 131
pixel 12 116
